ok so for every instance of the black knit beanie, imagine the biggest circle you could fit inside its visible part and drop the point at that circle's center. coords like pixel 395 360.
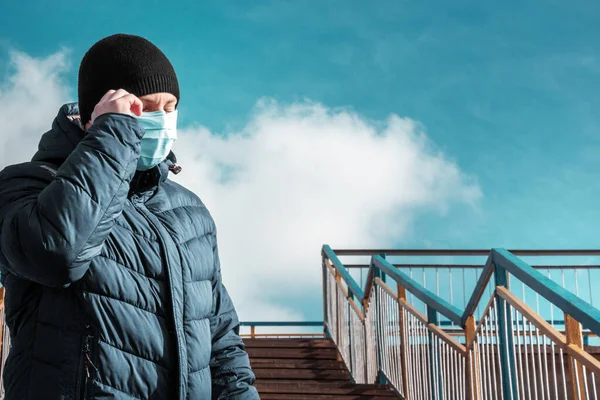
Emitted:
pixel 123 62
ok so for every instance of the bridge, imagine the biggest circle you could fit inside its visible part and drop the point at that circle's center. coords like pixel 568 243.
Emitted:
pixel 428 324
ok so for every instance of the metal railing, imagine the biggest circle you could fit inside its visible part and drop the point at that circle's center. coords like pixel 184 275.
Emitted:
pixel 300 329
pixel 455 281
pixel 499 349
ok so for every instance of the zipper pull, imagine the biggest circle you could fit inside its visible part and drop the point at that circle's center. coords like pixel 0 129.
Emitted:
pixel 87 359
pixel 87 369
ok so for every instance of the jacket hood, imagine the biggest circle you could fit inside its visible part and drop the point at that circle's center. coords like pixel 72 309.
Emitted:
pixel 56 144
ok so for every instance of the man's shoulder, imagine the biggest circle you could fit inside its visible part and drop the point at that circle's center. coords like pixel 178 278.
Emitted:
pixel 180 197
pixel 182 193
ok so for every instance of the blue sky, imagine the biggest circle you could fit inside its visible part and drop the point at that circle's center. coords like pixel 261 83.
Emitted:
pixel 507 91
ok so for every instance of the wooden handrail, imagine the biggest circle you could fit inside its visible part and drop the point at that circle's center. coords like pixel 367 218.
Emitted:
pixel 479 325
pixel 533 317
pixel 423 319
pixel 573 347
pixel 346 293
pixel 475 298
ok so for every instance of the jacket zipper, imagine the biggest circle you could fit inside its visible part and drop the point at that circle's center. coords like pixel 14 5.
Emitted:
pixel 85 364
pixel 149 217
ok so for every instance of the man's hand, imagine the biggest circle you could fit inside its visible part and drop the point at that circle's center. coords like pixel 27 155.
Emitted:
pixel 118 101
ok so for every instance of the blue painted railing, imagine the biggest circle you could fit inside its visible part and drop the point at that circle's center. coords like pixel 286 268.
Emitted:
pixel 503 259
pixel 282 324
pixel 433 301
pixel 499 321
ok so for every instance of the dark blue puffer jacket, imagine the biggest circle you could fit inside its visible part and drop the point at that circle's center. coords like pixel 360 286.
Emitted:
pixel 113 284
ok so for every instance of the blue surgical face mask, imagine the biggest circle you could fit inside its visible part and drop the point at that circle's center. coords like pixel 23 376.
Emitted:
pixel 161 133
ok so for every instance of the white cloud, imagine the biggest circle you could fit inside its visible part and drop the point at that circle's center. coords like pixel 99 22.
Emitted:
pixel 297 176
pixel 302 175
pixel 30 97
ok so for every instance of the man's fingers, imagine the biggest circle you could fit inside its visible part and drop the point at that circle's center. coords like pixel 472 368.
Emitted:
pixel 118 94
pixel 136 105
pixel 107 95
pixel 118 101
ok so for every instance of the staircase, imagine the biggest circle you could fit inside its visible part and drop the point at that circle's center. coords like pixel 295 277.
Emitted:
pixel 514 331
pixel 306 369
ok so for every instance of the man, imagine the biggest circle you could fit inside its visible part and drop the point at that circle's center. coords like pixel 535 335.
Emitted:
pixel 113 284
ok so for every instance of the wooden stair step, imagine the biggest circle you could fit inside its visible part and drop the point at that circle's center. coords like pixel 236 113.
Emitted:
pixel 319 388
pixel 292 363
pixel 304 353
pixel 310 374
pixel 306 369
pixel 303 382
pixel 286 396
pixel 289 343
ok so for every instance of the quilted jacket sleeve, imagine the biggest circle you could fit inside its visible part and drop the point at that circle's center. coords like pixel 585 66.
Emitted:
pixel 52 226
pixel 232 377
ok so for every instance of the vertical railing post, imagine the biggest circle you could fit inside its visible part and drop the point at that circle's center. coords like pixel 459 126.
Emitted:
pixel 574 337
pixel 366 327
pixel 382 335
pixel 378 334
pixel 505 337
pixel 366 351
pixel 349 323
pixel 325 291
pixel 403 341
pixel 338 279
pixel 472 364
pixel 381 273
pixel 435 374
pixel 252 331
